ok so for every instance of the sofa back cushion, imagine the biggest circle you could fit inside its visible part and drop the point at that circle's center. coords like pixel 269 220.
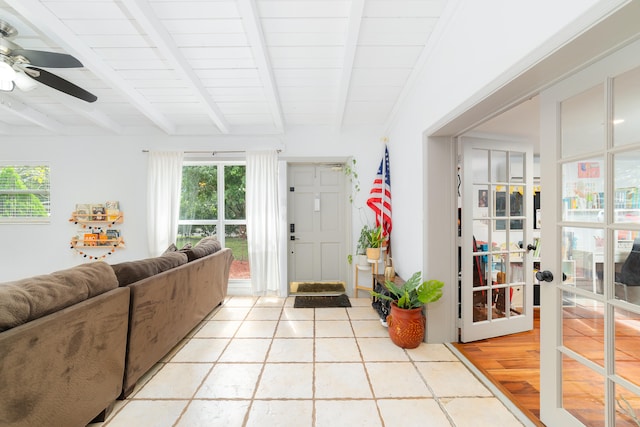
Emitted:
pixel 204 247
pixel 28 299
pixel 133 271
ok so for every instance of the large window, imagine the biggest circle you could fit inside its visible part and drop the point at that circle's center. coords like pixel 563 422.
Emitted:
pixel 24 193
pixel 213 204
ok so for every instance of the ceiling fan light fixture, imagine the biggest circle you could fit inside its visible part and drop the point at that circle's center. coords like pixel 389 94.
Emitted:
pixel 6 85
pixel 27 62
pixel 25 83
pixel 7 75
pixel 6 71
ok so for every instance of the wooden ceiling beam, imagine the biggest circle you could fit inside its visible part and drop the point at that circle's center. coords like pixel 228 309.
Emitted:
pixel 12 105
pixel 351 45
pixel 52 27
pixel 146 18
pixel 255 36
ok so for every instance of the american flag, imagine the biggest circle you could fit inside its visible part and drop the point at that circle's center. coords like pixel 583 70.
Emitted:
pixel 380 195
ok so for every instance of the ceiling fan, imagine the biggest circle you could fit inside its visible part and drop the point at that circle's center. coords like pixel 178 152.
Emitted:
pixel 18 67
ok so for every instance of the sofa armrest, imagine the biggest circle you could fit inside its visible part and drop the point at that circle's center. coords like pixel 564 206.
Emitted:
pixel 67 367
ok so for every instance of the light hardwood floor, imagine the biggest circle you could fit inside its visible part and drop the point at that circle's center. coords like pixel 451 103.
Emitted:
pixel 512 363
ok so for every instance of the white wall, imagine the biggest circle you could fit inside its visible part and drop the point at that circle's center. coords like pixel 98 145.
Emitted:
pixel 83 170
pixel 484 40
pixel 486 45
pixel 95 169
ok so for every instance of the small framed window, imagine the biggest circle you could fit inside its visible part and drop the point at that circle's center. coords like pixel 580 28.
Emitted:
pixel 24 193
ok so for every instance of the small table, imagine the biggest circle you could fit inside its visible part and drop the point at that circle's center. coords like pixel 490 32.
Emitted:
pixel 382 306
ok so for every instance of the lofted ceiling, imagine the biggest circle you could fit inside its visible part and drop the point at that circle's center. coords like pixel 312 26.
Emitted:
pixel 218 67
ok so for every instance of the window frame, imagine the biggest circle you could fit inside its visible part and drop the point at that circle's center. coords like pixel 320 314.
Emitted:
pixel 221 222
pixel 32 191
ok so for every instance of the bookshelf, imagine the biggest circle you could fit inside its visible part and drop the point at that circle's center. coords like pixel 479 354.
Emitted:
pixel 96 229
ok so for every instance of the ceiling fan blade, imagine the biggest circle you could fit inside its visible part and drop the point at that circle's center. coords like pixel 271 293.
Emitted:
pixel 61 84
pixel 41 58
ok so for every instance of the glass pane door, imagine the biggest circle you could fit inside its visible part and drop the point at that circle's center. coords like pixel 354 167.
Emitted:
pixel 590 347
pixel 497 295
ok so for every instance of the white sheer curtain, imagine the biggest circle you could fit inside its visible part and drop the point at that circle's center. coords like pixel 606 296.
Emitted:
pixel 263 226
pixel 164 178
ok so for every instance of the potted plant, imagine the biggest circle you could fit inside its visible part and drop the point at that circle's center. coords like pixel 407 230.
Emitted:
pixel 406 321
pixel 375 240
pixel 361 248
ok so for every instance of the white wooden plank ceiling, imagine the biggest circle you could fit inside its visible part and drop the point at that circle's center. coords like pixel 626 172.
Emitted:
pixel 221 67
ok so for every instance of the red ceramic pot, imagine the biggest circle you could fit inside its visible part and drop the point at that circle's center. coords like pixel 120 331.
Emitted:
pixel 406 326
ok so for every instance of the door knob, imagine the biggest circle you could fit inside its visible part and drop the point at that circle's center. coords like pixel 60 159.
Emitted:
pixel 544 276
pixel 531 247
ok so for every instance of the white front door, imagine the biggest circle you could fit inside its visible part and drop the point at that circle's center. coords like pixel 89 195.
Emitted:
pixel 497 213
pixel 316 223
pixel 590 309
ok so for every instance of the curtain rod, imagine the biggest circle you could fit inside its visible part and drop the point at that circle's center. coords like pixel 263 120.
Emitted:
pixel 213 152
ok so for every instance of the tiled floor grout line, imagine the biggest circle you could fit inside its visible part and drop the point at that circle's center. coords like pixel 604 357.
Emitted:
pixel 365 341
pixel 213 364
pixel 435 397
pixel 366 371
pixel 264 363
pixel 314 409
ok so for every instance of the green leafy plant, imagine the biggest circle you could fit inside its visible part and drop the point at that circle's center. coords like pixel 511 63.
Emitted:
pixel 351 172
pixel 363 240
pixel 414 293
pixel 375 239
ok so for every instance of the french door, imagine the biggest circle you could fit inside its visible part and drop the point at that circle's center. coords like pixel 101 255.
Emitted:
pixel 497 259
pixel 590 305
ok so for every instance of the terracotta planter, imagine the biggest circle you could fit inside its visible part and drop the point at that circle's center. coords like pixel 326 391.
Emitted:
pixel 406 326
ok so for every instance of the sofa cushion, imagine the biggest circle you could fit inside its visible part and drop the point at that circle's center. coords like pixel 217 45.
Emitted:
pixel 28 299
pixel 133 271
pixel 204 247
pixel 209 239
pixel 172 248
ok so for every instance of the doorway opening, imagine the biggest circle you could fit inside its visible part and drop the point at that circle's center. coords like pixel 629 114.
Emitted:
pixel 598 256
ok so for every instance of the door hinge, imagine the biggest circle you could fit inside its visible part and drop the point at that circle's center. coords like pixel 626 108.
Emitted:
pixel 459 322
pixel 292 189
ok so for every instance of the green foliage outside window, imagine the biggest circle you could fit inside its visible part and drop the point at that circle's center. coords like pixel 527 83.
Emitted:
pixel 235 180
pixel 24 191
pixel 199 206
pixel 199 198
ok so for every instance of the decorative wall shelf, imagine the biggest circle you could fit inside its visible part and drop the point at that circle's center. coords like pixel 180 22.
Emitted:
pixel 96 232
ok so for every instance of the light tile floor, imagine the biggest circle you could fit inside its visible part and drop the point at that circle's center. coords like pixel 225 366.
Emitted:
pixel 260 362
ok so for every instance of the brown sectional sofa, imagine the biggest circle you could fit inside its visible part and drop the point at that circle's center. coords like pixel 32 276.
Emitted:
pixel 62 346
pixel 165 307
pixel 73 341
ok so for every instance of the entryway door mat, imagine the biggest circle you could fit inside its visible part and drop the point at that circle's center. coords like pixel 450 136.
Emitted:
pixel 320 287
pixel 321 301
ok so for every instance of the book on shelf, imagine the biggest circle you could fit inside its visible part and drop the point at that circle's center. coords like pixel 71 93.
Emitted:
pixel 112 208
pixel 102 240
pixel 113 234
pixel 98 212
pixel 77 239
pixel 90 239
pixel 83 212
